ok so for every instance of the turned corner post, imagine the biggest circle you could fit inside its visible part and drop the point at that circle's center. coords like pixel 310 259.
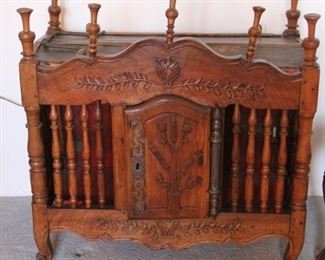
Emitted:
pixel 29 91
pixel 293 15
pixel 254 32
pixel 171 14
pixel 54 12
pixel 28 77
pixel 307 109
pixel 93 29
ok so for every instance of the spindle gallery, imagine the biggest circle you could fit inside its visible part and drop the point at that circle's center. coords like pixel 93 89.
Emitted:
pixel 173 140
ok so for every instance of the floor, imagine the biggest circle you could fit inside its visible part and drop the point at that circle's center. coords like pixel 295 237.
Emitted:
pixel 16 241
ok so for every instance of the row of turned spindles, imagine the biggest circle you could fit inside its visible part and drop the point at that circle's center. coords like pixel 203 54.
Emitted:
pixel 71 157
pixel 93 28
pixel 27 36
pixel 265 161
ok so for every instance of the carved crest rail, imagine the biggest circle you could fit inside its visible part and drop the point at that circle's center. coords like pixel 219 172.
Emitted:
pixel 173 71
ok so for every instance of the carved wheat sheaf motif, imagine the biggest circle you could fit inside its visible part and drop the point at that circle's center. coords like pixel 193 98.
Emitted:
pixel 175 179
pixel 168 71
pixel 162 229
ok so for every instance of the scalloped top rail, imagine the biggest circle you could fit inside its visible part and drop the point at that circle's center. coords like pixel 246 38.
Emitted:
pixel 178 44
pixel 185 68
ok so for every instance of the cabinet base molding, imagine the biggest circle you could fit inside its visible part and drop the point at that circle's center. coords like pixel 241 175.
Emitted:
pixel 165 233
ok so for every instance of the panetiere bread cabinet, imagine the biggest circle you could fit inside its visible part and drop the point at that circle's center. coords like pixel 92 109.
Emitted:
pixel 169 142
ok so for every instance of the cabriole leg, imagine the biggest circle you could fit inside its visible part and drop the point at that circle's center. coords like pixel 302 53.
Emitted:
pixel 297 235
pixel 41 232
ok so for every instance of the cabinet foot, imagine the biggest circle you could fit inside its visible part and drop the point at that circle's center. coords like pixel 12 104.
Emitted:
pixel 42 233
pixel 44 247
pixel 293 249
pixel 40 256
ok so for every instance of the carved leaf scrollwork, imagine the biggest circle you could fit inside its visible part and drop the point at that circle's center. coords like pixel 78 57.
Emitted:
pixel 118 82
pixel 162 229
pixel 131 80
pixel 228 89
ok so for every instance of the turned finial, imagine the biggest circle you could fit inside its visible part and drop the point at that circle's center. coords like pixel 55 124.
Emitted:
pixel 171 14
pixel 293 15
pixel 254 32
pixel 93 29
pixel 26 36
pixel 311 43
pixel 54 23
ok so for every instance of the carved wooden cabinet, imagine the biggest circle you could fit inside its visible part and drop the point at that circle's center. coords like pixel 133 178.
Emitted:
pixel 169 143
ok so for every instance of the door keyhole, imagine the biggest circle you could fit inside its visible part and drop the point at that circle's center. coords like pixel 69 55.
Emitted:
pixel 137 166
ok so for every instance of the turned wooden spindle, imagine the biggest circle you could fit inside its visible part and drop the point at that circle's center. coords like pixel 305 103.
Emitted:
pixel 266 158
pixel 216 149
pixel 250 161
pixel 54 23
pixel 26 36
pixel 99 156
pixel 311 43
pixel 254 32
pixel 56 154
pixel 71 164
pixel 307 110
pixel 93 29
pixel 86 156
pixel 293 15
pixel 171 14
pixel 235 157
pixel 282 162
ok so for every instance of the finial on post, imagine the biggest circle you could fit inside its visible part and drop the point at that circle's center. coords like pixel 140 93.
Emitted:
pixel 93 29
pixel 311 43
pixel 54 23
pixel 293 15
pixel 171 14
pixel 254 32
pixel 26 36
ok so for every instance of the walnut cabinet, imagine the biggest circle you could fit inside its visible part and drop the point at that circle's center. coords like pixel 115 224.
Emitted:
pixel 169 140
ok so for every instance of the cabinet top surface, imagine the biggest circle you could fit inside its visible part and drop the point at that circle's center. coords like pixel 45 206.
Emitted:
pixel 285 53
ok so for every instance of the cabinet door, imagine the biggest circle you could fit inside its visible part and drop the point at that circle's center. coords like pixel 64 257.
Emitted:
pixel 168 146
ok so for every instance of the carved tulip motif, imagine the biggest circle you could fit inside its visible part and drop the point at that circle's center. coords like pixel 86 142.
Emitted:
pixel 168 71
